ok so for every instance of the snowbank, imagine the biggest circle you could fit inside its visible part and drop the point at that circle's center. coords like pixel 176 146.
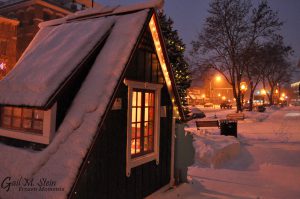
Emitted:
pixel 215 150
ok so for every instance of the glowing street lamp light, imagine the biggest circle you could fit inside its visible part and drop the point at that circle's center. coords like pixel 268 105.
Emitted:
pixel 243 88
pixel 218 78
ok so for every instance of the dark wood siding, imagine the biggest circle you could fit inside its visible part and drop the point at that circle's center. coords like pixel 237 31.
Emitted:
pixel 105 174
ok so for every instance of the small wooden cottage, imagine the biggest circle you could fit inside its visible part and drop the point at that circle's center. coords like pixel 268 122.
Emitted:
pixel 96 87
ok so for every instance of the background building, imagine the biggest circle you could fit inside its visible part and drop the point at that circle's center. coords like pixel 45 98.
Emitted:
pixel 8 44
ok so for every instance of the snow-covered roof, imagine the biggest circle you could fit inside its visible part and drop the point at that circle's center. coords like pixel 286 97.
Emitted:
pixel 60 44
pixel 50 59
pixel 47 62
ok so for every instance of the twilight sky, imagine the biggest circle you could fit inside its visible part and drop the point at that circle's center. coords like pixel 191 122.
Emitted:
pixel 189 16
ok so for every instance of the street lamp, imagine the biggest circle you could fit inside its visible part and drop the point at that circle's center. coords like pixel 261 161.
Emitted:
pixel 218 78
pixel 263 93
pixel 243 88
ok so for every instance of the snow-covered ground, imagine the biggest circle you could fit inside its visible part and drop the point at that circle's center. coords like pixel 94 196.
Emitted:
pixel 267 166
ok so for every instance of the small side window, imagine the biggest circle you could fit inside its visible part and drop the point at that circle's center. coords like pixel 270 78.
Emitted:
pixel 143 123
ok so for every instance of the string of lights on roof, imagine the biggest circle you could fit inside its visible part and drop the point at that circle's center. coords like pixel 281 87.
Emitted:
pixel 158 47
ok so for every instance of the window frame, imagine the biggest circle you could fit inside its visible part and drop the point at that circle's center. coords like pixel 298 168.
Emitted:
pixel 49 124
pixel 132 162
pixel 22 117
pixel 142 122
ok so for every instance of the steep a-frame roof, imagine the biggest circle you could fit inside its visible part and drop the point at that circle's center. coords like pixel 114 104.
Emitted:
pixel 121 27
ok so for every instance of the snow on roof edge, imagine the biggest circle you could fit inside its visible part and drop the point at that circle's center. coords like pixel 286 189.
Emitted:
pixel 104 11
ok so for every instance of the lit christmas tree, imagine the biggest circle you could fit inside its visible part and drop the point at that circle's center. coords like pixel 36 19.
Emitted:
pixel 175 48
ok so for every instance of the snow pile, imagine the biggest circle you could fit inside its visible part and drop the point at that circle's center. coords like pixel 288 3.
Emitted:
pixel 215 150
pixel 261 117
pixel 274 107
pixel 61 160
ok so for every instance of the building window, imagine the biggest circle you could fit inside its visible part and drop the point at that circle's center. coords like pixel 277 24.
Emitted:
pixel 143 123
pixel 28 124
pixel 25 119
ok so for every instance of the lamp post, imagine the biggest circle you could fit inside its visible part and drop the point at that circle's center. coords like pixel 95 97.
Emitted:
pixel 243 88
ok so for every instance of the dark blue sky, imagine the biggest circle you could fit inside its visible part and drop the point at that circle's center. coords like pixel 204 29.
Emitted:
pixel 189 16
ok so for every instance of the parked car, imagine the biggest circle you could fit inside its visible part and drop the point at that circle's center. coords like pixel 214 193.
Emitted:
pixel 196 113
pixel 208 104
pixel 226 104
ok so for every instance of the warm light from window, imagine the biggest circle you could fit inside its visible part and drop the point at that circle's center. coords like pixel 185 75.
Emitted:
pixel 223 98
pixel 203 96
pixel 142 122
pixel 26 119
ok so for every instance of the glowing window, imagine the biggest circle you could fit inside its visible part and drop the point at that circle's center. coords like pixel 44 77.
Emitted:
pixel 25 119
pixel 142 122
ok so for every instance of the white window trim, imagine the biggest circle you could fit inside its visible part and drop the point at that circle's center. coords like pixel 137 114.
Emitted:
pixel 134 162
pixel 49 123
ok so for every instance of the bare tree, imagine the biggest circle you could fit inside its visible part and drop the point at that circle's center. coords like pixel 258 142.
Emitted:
pixel 231 30
pixel 254 71
pixel 277 68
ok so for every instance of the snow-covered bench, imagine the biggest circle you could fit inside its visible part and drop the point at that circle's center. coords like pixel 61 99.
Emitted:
pixel 207 123
pixel 235 116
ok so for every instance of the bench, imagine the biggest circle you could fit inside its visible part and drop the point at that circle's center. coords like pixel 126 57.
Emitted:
pixel 207 123
pixel 235 116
